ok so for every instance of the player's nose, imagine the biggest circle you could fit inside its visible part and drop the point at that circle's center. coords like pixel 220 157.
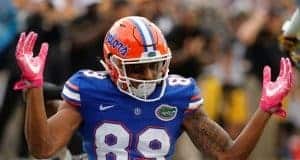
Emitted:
pixel 149 74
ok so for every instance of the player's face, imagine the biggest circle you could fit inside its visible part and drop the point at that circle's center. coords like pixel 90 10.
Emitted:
pixel 140 77
pixel 145 71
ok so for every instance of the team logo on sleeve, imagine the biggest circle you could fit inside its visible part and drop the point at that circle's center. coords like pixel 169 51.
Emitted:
pixel 165 112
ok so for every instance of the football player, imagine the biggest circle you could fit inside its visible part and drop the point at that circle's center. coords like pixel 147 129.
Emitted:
pixel 134 109
pixel 289 39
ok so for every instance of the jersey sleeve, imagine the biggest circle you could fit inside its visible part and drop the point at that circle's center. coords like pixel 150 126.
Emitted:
pixel 195 99
pixel 71 90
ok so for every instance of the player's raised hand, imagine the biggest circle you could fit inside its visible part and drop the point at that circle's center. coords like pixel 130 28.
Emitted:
pixel 274 92
pixel 32 67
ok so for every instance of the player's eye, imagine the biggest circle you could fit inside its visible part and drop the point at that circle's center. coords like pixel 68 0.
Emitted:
pixel 134 68
pixel 155 65
pixel 140 68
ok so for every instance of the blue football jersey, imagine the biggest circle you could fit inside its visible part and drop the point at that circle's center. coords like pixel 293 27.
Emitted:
pixel 118 127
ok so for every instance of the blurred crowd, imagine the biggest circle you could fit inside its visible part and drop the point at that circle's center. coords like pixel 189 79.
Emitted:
pixel 223 44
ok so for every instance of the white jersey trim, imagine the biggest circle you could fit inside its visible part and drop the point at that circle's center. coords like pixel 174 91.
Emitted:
pixel 195 105
pixel 71 94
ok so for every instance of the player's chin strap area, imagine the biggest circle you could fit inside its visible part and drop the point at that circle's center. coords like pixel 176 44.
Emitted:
pixel 144 98
pixel 144 89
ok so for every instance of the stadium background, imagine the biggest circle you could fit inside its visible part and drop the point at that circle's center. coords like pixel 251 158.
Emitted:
pixel 224 44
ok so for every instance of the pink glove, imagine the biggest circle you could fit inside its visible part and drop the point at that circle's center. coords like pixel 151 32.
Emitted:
pixel 274 92
pixel 32 68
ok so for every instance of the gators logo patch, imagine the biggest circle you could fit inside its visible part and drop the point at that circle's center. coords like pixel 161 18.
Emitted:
pixel 166 112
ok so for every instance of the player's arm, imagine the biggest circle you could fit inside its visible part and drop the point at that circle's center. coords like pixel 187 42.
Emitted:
pixel 44 137
pixel 212 139
pixel 206 134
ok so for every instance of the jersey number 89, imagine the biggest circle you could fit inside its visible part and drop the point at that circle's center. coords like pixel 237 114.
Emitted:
pixel 112 141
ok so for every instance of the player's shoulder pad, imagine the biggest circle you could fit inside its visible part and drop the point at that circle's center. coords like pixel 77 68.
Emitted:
pixel 185 88
pixel 87 75
pixel 78 81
